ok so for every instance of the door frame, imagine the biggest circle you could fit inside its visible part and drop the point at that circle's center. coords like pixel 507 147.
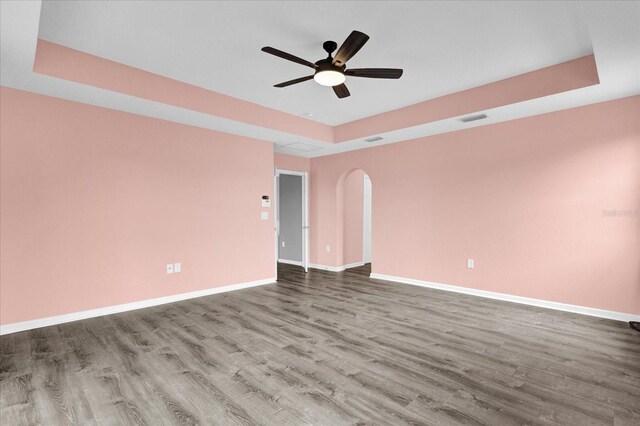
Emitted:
pixel 305 215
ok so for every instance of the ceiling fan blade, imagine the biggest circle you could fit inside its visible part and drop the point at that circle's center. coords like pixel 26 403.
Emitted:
pixel 295 81
pixel 374 72
pixel 341 91
pixel 350 47
pixel 288 56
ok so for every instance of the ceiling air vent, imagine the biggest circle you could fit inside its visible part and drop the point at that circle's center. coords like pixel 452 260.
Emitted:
pixel 374 139
pixel 470 118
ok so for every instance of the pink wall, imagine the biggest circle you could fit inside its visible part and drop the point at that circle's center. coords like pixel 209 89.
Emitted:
pixel 353 193
pixel 524 198
pixel 292 163
pixel 95 202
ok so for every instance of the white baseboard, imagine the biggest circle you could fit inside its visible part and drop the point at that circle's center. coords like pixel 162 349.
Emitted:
pixel 290 262
pixel 326 268
pixel 353 265
pixel 594 312
pixel 108 310
pixel 335 268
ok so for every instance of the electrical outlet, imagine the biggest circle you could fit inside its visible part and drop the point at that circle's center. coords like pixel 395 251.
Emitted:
pixel 264 215
pixel 328 248
pixel 283 244
pixel 169 268
pixel 177 267
pixel 470 263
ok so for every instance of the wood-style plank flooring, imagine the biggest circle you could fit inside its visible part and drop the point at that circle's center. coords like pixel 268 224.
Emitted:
pixel 325 349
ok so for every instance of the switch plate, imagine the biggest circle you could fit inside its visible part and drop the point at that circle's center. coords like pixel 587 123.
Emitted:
pixel 283 244
pixel 169 268
pixel 177 267
pixel 328 248
pixel 470 263
pixel 264 215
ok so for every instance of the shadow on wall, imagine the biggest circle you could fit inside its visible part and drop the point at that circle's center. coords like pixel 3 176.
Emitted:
pixel 353 218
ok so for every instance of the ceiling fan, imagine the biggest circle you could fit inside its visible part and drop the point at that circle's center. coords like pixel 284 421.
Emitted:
pixel 332 71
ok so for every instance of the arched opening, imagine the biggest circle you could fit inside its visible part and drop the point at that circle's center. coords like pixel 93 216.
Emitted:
pixel 354 218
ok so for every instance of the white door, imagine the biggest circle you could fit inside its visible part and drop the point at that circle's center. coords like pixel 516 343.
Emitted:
pixel 366 219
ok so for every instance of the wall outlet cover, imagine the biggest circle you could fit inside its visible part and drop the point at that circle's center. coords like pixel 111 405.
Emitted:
pixel 177 267
pixel 264 215
pixel 470 263
pixel 169 268
pixel 328 248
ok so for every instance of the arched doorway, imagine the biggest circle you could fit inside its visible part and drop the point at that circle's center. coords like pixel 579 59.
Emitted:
pixel 354 218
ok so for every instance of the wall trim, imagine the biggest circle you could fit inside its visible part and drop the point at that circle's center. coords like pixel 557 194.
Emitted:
pixel 290 262
pixel 353 265
pixel 335 268
pixel 594 312
pixel 326 267
pixel 108 310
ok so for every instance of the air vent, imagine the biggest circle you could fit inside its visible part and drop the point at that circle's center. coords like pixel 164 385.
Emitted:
pixel 473 118
pixel 374 139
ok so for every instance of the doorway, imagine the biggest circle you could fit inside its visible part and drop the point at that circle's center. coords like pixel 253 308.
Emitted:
pixel 292 218
pixel 366 220
pixel 354 192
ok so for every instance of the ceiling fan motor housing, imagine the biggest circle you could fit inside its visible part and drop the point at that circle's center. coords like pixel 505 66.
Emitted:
pixel 327 65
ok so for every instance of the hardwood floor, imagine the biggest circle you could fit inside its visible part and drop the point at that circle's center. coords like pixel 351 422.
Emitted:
pixel 325 349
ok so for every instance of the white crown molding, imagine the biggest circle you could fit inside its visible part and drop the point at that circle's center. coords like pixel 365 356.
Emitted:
pixel 594 312
pixel 108 310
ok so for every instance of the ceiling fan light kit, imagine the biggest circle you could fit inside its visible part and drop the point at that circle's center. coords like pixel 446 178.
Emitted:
pixel 332 71
pixel 329 77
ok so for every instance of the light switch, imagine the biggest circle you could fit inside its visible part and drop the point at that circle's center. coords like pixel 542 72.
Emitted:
pixel 470 263
pixel 328 248
pixel 264 215
pixel 283 244
pixel 177 267
pixel 169 268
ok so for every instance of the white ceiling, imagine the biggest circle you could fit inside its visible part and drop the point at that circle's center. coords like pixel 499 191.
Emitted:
pixel 444 47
